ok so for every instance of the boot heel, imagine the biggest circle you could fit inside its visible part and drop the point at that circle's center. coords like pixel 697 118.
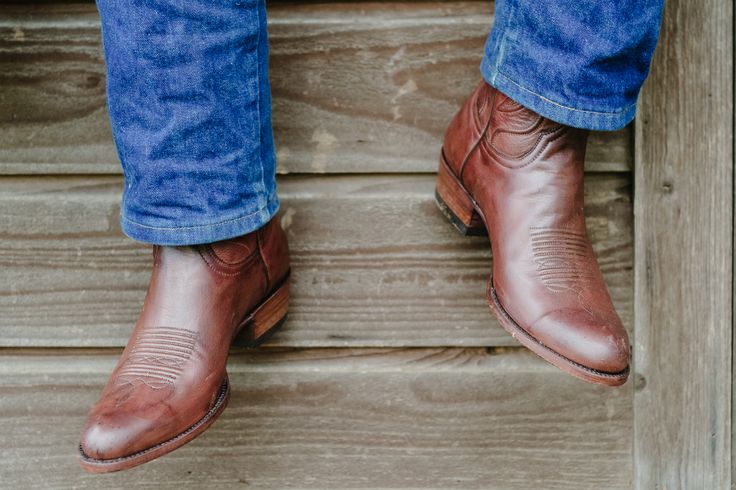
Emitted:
pixel 265 320
pixel 455 202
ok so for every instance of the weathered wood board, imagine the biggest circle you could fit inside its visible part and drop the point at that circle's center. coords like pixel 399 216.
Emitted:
pixel 374 261
pixel 343 419
pixel 358 87
pixel 684 253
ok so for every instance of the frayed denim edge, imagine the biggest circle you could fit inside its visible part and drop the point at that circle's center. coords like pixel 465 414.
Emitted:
pixel 208 233
pixel 578 118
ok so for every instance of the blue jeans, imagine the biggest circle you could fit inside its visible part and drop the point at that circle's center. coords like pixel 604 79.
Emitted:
pixel 577 62
pixel 190 107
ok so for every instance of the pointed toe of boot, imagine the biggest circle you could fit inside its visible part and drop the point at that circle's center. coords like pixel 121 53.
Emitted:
pixel 111 438
pixel 113 443
pixel 599 346
pixel 120 436
pixel 103 441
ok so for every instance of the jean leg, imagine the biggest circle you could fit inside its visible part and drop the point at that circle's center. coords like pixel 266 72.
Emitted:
pixel 189 103
pixel 579 62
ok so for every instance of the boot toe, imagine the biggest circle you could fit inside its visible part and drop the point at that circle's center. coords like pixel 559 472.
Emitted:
pixel 600 345
pixel 108 438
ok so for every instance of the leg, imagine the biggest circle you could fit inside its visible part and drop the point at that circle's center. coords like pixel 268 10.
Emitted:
pixel 190 109
pixel 512 167
pixel 578 63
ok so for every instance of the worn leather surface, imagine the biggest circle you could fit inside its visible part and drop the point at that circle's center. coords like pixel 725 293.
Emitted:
pixel 525 173
pixel 173 366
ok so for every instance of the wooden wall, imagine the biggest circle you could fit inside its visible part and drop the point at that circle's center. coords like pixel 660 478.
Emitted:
pixel 684 253
pixel 391 372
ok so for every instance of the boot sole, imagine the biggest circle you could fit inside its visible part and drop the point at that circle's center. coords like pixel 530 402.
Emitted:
pixel 463 212
pixel 256 329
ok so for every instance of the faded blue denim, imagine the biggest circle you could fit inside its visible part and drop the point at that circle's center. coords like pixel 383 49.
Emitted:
pixel 577 62
pixel 190 106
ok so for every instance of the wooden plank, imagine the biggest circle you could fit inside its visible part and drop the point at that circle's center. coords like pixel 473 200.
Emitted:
pixel 375 263
pixel 429 419
pixel 358 87
pixel 684 246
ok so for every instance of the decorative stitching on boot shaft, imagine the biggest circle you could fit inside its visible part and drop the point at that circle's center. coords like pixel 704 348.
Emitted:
pixel 157 358
pixel 562 258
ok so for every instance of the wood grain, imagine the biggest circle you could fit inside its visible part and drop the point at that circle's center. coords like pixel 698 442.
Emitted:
pixel 375 263
pixel 684 247
pixel 358 87
pixel 343 419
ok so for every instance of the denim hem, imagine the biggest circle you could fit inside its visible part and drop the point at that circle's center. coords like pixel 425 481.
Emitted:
pixel 569 116
pixel 198 234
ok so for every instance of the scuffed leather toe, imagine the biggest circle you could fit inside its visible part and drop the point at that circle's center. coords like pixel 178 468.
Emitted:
pixel 108 438
pixel 598 344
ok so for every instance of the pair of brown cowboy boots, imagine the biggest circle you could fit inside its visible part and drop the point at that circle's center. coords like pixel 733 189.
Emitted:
pixel 504 171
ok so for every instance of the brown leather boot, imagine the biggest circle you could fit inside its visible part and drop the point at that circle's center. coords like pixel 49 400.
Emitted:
pixel 517 176
pixel 170 384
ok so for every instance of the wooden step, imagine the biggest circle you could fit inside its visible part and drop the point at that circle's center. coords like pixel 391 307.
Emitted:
pixel 323 419
pixel 374 263
pixel 358 87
